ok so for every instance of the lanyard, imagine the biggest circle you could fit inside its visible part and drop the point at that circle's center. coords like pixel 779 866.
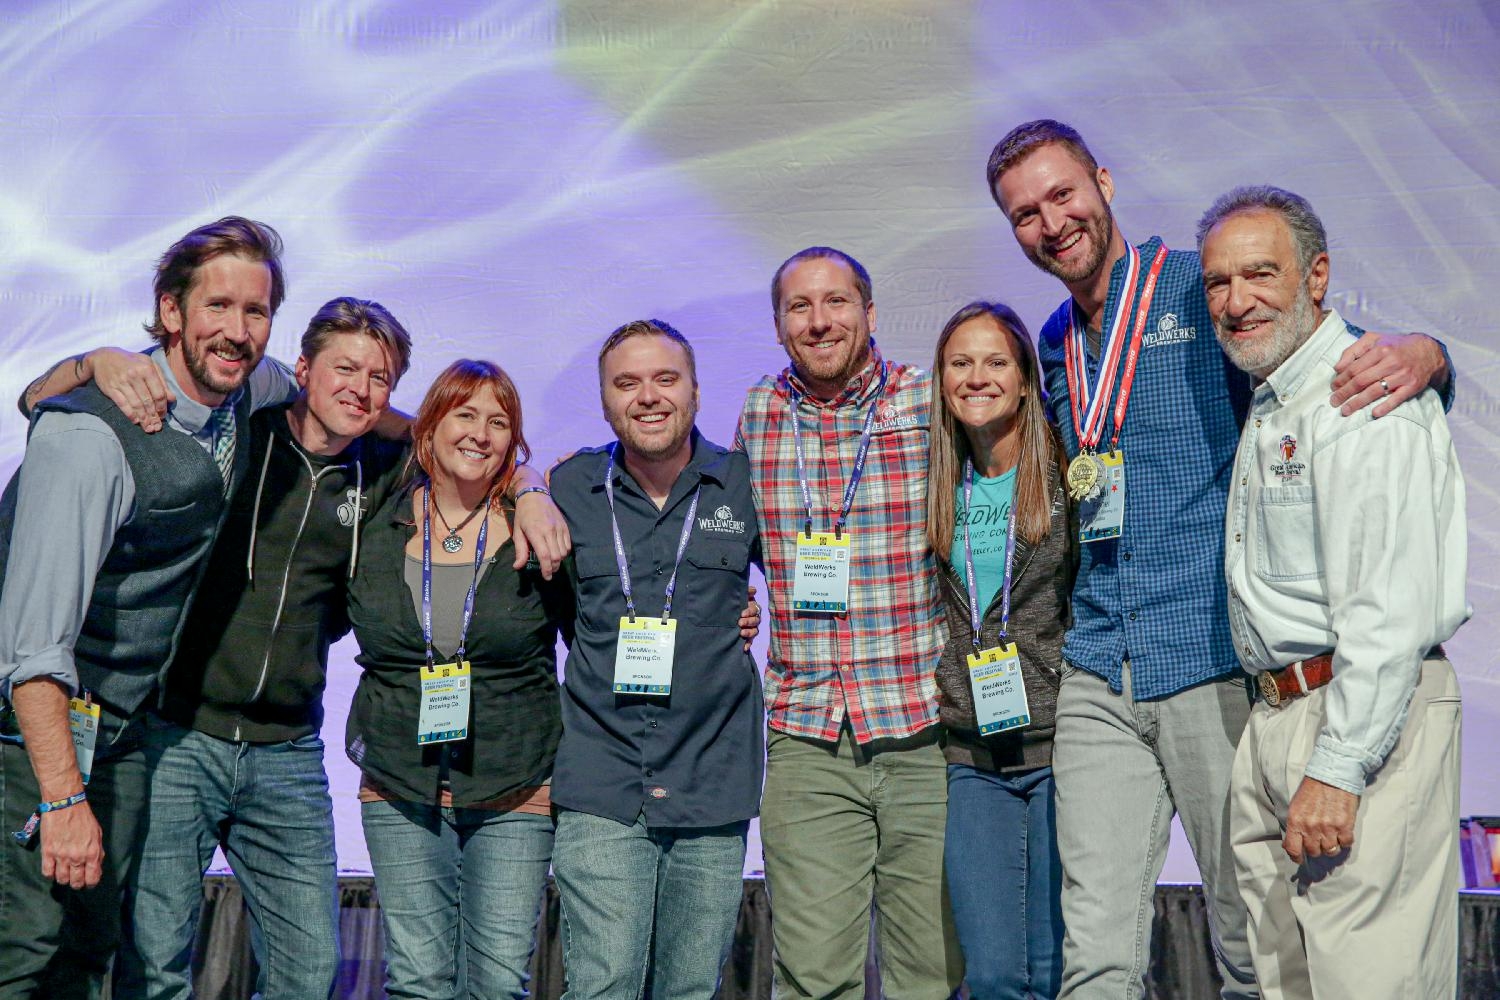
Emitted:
pixel 1089 406
pixel 463 633
pixel 855 474
pixel 1010 554
pixel 620 560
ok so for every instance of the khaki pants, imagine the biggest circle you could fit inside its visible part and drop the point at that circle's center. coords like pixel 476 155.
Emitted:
pixel 841 826
pixel 1379 920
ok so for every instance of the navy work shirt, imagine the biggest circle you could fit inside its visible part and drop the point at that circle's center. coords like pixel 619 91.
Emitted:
pixel 696 757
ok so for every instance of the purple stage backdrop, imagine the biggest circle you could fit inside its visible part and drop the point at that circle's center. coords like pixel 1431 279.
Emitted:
pixel 514 179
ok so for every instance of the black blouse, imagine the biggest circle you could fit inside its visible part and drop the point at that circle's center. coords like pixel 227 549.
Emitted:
pixel 515 722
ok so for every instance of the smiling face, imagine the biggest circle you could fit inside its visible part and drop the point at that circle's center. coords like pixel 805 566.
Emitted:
pixel 1059 212
pixel 218 331
pixel 650 396
pixel 346 387
pixel 1263 306
pixel 472 443
pixel 982 379
pixel 823 324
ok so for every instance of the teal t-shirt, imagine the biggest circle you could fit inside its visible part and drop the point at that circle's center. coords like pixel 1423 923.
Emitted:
pixel 988 520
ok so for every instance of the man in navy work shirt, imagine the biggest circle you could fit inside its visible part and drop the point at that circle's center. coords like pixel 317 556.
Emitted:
pixel 659 770
pixel 1152 701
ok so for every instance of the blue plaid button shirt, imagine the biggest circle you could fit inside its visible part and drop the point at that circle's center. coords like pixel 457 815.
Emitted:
pixel 1156 595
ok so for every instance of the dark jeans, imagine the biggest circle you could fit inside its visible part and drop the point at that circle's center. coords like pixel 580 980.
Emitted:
pixel 58 943
pixel 1005 882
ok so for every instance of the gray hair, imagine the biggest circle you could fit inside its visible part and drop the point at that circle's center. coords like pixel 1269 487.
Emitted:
pixel 1307 230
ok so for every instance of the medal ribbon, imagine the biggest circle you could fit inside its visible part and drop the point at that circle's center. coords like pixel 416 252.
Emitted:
pixel 855 474
pixel 1089 408
pixel 463 633
pixel 620 560
pixel 1010 554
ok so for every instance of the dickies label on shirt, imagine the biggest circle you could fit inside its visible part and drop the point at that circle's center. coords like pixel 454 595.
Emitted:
pixel 1169 330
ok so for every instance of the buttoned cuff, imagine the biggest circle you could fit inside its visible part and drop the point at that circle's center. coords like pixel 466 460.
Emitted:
pixel 1338 766
pixel 51 663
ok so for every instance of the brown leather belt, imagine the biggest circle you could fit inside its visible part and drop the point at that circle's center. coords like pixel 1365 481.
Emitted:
pixel 1306 676
pixel 1295 680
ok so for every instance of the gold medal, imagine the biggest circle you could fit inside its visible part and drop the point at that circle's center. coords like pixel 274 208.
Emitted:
pixel 1084 475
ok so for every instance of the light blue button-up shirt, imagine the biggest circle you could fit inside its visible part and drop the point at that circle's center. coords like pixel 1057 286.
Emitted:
pixel 1344 533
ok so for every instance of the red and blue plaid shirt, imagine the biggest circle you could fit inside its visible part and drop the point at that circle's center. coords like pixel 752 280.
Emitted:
pixel 876 663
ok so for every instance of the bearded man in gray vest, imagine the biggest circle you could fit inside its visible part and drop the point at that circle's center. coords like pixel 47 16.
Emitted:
pixel 103 534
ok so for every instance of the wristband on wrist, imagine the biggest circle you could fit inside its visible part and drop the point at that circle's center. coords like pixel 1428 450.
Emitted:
pixel 533 489
pixel 71 800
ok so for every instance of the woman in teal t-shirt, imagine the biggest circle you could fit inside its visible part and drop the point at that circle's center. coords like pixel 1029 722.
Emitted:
pixel 998 520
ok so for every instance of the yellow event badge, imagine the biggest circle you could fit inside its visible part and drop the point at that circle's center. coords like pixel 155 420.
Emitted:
pixel 820 581
pixel 83 721
pixel 444 714
pixel 643 656
pixel 999 690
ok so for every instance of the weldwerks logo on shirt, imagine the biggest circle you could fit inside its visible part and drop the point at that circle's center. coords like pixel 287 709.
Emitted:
pixel 890 417
pixel 722 522
pixel 1169 331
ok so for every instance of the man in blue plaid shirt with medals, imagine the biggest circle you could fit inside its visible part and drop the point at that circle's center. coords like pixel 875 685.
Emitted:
pixel 1153 700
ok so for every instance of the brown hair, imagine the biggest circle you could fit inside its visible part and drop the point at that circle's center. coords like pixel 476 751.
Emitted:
pixel 177 270
pixel 1025 139
pixel 861 276
pixel 450 390
pixel 949 446
pixel 647 328
pixel 350 315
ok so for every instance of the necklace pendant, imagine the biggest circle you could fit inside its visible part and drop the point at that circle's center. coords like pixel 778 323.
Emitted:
pixel 453 543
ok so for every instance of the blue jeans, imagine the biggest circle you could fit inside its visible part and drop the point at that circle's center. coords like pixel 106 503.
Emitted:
pixel 267 805
pixel 460 890
pixel 636 898
pixel 1005 881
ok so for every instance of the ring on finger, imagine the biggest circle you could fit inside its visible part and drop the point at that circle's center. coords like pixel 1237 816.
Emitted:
pixel 1385 388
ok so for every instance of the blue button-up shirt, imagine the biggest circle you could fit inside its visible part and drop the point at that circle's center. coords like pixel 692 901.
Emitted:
pixel 1156 595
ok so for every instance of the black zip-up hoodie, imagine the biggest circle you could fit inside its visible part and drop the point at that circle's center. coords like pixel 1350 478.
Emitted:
pixel 253 659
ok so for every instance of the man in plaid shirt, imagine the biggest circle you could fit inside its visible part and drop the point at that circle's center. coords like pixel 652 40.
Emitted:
pixel 855 796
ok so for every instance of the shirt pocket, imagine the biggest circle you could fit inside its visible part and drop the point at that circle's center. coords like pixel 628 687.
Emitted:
pixel 712 586
pixel 601 602
pixel 1286 534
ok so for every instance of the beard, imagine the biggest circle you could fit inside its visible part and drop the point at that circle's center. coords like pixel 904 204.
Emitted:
pixel 1287 330
pixel 196 359
pixel 1099 230
pixel 654 447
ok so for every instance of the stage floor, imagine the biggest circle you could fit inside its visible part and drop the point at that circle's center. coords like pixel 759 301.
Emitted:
pixel 1182 965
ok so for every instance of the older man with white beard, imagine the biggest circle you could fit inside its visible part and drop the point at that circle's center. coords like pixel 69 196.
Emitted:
pixel 1345 556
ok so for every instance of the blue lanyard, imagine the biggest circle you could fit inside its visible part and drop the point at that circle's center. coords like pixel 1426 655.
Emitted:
pixel 463 634
pixel 855 474
pixel 1010 553
pixel 620 560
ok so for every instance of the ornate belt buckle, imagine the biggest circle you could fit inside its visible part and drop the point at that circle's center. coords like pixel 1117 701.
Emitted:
pixel 1268 691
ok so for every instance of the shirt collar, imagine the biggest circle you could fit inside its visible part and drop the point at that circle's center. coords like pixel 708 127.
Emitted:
pixel 1290 375
pixel 703 463
pixel 857 390
pixel 189 414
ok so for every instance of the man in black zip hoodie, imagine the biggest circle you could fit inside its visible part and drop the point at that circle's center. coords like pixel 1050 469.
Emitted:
pixel 234 755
